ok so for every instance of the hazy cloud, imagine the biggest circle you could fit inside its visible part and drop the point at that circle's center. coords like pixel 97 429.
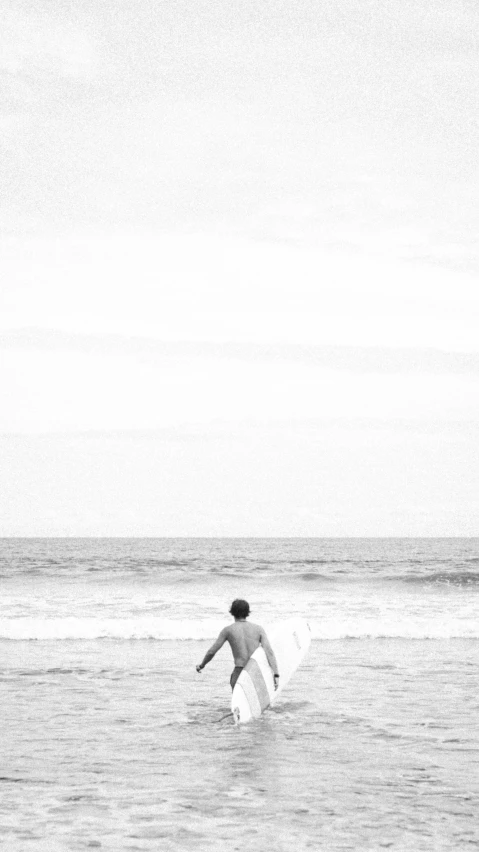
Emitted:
pixel 235 240
pixel 353 359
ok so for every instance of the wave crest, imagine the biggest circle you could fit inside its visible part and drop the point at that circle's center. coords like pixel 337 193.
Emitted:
pixel 444 578
pixel 162 629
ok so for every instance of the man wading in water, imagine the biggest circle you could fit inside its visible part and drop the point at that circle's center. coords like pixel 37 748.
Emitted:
pixel 244 638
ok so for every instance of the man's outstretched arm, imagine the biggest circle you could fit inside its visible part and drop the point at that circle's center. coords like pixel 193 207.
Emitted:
pixel 212 651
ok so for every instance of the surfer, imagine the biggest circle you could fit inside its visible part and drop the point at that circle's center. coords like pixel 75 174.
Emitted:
pixel 243 637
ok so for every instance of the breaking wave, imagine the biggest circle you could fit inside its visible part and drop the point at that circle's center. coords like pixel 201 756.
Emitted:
pixel 444 578
pixel 162 629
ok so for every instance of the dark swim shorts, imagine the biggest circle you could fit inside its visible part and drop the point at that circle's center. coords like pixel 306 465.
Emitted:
pixel 235 675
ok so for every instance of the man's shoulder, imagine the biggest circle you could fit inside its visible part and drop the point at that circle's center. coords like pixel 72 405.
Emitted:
pixel 228 631
pixel 238 627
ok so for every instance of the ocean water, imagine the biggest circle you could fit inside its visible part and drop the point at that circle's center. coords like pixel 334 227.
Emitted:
pixel 111 740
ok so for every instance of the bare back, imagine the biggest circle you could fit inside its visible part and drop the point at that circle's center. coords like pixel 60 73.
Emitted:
pixel 244 638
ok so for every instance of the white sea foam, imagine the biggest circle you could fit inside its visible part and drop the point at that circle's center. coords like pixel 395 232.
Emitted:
pixel 106 628
pixel 162 629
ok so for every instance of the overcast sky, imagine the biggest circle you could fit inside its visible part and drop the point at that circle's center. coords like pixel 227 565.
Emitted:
pixel 239 267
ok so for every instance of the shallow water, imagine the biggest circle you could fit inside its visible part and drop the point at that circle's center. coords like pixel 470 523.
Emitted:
pixel 118 744
pixel 375 744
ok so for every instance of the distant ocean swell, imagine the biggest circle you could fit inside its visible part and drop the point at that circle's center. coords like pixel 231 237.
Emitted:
pixel 168 573
pixel 161 629
pixel 437 572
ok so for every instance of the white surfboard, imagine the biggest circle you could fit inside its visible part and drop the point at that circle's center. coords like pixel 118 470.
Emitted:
pixel 254 690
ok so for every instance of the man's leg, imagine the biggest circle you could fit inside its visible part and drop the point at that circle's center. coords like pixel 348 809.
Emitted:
pixel 235 675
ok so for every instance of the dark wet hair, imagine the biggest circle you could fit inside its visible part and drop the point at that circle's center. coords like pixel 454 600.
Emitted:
pixel 239 608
